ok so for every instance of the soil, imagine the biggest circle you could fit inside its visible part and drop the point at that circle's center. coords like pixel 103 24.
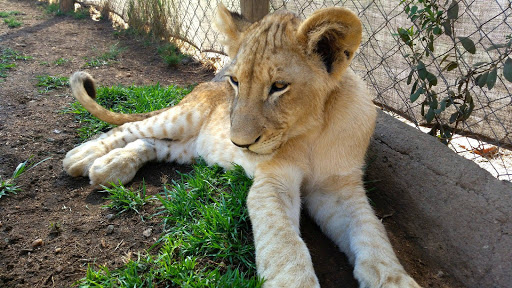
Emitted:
pixel 66 213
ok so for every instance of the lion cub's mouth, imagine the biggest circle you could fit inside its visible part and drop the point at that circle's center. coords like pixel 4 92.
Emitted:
pixel 267 145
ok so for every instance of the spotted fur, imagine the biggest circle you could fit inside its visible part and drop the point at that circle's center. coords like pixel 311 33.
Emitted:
pixel 294 116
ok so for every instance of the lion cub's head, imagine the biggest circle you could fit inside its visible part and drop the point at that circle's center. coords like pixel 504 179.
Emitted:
pixel 283 72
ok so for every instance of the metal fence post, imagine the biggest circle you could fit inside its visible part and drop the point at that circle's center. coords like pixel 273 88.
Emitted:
pixel 254 10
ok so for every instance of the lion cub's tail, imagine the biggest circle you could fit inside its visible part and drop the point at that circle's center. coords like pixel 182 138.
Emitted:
pixel 84 90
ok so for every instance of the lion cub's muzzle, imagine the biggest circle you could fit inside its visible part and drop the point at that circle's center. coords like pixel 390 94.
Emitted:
pixel 246 145
pixel 262 144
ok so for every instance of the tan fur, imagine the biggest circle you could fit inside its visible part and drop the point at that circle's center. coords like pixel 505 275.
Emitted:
pixel 302 120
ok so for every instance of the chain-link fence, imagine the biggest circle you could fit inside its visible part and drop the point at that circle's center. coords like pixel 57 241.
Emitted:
pixel 384 63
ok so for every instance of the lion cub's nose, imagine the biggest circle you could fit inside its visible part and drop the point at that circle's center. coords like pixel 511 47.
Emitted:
pixel 243 144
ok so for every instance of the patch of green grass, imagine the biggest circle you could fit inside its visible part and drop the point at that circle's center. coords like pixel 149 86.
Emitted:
pixel 81 14
pixel 5 14
pixel 55 228
pixel 8 57
pixel 207 239
pixel 9 186
pixel 123 199
pixel 10 18
pixel 171 54
pixel 54 9
pixel 60 61
pixel 51 82
pixel 106 58
pixel 133 99
pixel 12 22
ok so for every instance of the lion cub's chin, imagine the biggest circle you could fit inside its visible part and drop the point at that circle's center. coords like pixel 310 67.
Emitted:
pixel 264 148
pixel 268 145
pixel 261 151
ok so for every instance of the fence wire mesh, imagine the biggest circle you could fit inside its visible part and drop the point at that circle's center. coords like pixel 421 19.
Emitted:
pixel 382 61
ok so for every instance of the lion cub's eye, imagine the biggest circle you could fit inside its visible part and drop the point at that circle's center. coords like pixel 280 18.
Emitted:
pixel 278 86
pixel 233 80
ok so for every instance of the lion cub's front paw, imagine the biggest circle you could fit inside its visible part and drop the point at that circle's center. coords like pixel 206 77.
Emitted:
pixel 119 165
pixel 383 277
pixel 78 160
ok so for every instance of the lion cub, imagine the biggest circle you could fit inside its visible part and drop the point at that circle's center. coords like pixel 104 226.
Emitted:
pixel 294 116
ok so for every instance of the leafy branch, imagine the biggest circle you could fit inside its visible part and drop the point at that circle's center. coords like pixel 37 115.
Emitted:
pixel 430 22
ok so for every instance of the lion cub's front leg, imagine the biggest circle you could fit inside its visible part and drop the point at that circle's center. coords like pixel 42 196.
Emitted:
pixel 340 207
pixel 282 257
pixel 79 160
pixel 119 153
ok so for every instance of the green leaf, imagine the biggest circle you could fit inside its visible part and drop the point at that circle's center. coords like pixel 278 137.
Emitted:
pixel 416 95
pixel 409 78
pixel 430 115
pixel 413 10
pixel 453 10
pixel 449 99
pixel 491 79
pixel 507 69
pixel 478 64
pixel 444 58
pixel 496 46
pixel 481 80
pixel 468 44
pixel 437 30
pixel 477 80
pixel 454 117
pixel 452 65
pixel 431 44
pixel 447 28
pixel 469 99
pixel 433 100
pixel 432 79
pixel 414 86
pixel 422 71
pixel 405 36
pixel 442 106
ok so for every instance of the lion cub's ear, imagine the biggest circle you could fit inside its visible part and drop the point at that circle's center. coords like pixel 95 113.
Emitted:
pixel 232 25
pixel 333 35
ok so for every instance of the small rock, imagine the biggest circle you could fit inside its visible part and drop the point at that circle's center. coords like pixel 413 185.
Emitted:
pixel 103 243
pixel 37 243
pixel 109 216
pixel 147 232
pixel 58 269
pixel 440 274
pixel 57 131
pixel 58 250
pixel 110 229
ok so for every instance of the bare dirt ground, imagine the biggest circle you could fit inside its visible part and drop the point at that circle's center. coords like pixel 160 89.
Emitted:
pixel 31 123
